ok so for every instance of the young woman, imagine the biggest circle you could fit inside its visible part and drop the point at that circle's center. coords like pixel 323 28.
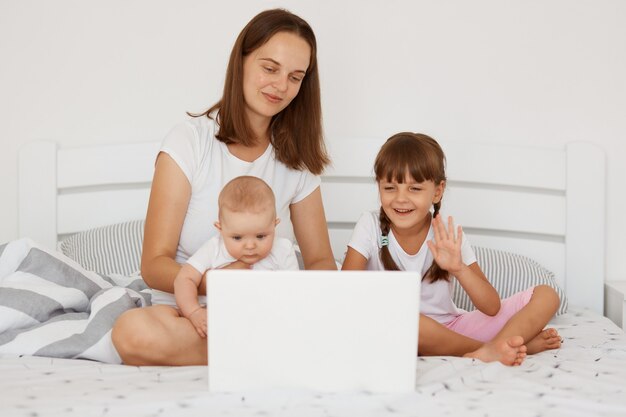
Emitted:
pixel 407 233
pixel 268 125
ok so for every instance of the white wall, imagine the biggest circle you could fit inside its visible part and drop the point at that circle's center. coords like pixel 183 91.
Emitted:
pixel 531 72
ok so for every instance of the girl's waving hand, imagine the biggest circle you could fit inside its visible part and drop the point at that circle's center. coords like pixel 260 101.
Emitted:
pixel 446 246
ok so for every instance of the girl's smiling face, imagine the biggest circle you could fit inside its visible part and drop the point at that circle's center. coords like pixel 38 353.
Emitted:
pixel 408 204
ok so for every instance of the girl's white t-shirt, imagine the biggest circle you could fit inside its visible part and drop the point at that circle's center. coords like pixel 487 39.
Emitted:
pixel 436 297
pixel 208 165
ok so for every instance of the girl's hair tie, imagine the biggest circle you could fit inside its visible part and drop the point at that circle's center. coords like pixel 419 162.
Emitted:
pixel 384 241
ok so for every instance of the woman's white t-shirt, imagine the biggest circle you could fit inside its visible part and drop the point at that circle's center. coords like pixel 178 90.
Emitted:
pixel 208 165
pixel 436 297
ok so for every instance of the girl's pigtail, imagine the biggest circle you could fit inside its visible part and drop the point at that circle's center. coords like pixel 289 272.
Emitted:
pixel 435 272
pixel 385 255
pixel 436 208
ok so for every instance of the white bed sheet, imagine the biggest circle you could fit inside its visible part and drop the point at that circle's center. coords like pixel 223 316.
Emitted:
pixel 586 377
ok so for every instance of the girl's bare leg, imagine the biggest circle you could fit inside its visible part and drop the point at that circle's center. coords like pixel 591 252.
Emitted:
pixel 158 335
pixel 530 321
pixel 547 339
pixel 437 340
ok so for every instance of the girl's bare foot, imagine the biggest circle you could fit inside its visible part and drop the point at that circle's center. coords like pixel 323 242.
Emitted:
pixel 547 339
pixel 510 352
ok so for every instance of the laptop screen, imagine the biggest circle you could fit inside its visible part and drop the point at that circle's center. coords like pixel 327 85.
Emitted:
pixel 322 330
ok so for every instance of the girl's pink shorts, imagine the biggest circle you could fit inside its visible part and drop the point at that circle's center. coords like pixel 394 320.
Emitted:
pixel 479 326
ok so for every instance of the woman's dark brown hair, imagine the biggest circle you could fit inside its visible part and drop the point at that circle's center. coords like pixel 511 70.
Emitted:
pixel 296 132
pixel 420 157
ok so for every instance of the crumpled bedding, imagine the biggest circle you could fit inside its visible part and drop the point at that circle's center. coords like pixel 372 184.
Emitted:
pixel 586 377
pixel 50 306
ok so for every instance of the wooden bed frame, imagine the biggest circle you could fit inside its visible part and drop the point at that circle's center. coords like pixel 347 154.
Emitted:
pixel 548 204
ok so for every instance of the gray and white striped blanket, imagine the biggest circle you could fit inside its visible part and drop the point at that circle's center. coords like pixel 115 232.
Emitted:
pixel 51 306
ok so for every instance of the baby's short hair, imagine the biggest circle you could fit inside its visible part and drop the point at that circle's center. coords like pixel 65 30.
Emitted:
pixel 246 194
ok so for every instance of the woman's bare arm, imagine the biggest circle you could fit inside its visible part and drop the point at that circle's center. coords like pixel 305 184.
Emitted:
pixel 169 199
pixel 311 230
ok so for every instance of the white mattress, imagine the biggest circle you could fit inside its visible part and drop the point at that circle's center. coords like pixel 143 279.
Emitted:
pixel 586 377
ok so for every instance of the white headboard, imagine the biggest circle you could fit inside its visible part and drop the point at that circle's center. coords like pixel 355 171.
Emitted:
pixel 548 204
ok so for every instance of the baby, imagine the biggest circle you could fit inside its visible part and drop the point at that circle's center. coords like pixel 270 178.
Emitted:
pixel 247 224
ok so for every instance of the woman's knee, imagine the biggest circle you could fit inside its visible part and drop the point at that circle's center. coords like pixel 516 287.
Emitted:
pixel 129 335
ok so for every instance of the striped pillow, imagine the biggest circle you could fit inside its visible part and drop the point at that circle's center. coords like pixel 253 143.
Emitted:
pixel 509 273
pixel 114 249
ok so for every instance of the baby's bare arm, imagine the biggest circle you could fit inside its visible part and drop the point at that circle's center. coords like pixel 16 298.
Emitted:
pixel 186 289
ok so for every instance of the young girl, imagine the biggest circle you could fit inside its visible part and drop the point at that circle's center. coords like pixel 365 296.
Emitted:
pixel 408 234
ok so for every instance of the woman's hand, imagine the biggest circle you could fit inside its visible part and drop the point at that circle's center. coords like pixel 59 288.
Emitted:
pixel 446 246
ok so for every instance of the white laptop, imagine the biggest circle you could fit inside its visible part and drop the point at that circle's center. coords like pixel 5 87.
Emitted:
pixel 319 330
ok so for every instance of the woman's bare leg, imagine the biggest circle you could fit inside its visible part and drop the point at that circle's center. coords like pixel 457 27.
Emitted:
pixel 158 335
pixel 530 321
pixel 437 340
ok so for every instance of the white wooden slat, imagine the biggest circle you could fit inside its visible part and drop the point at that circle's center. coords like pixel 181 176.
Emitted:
pixel 506 165
pixel 353 158
pixel 37 192
pixel 86 210
pixel 103 165
pixel 514 211
pixel 518 166
pixel 494 209
pixel 344 202
pixel 586 201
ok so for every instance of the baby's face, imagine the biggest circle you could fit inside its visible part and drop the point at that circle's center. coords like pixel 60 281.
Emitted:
pixel 248 236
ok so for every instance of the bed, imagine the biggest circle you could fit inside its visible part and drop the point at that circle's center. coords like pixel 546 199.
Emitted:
pixel 544 205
